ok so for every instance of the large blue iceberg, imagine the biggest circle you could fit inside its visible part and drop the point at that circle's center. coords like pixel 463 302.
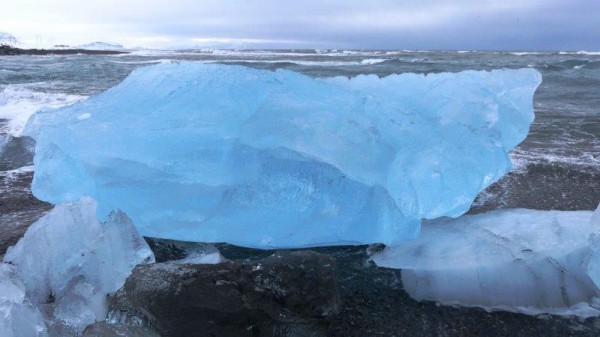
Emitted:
pixel 207 152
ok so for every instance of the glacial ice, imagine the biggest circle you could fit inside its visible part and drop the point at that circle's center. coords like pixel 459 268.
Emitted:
pixel 18 317
pixel 211 153
pixel 518 260
pixel 68 262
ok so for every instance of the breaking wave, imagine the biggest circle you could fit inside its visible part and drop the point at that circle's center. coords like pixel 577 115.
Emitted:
pixel 19 101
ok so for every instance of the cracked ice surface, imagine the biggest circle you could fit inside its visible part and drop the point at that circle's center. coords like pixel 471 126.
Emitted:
pixel 518 260
pixel 258 158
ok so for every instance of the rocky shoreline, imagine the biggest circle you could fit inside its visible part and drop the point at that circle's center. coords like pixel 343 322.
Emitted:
pixel 332 291
pixel 368 300
pixel 361 300
pixel 6 50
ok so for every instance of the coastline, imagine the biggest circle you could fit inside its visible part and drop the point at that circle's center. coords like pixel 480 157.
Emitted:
pixel 11 51
pixel 372 299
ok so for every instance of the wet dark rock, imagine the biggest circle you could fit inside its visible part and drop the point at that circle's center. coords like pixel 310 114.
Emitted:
pixel 16 152
pixel 166 250
pixel 374 303
pixel 171 250
pixel 18 207
pixel 290 293
pixel 103 329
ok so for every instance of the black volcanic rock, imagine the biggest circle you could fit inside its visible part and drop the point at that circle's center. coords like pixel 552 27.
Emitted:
pixel 103 329
pixel 170 250
pixel 18 207
pixel 543 186
pixel 6 50
pixel 291 293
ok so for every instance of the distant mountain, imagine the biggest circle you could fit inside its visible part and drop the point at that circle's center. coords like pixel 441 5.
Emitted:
pixel 8 39
pixel 101 46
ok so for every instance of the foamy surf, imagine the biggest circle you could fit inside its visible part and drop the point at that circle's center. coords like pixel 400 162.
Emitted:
pixel 19 101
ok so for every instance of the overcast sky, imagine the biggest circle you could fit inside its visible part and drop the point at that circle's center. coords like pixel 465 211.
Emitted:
pixel 366 24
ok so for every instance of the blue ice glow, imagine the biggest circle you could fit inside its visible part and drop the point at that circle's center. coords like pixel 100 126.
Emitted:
pixel 278 159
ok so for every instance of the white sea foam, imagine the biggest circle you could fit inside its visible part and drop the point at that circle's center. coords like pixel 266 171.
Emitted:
pixel 324 63
pixel 298 62
pixel 523 53
pixel 372 61
pixel 521 158
pixel 396 52
pixel 13 175
pixel 19 101
pixel 257 53
pixel 581 52
pixel 145 61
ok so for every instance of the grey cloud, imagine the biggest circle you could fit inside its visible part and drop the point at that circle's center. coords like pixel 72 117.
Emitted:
pixel 426 24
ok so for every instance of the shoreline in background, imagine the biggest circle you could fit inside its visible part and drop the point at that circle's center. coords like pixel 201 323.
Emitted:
pixel 6 50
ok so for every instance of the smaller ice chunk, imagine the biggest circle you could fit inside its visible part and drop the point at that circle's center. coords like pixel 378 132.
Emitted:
pixel 195 253
pixel 518 260
pixel 202 258
pixel 18 317
pixel 69 262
